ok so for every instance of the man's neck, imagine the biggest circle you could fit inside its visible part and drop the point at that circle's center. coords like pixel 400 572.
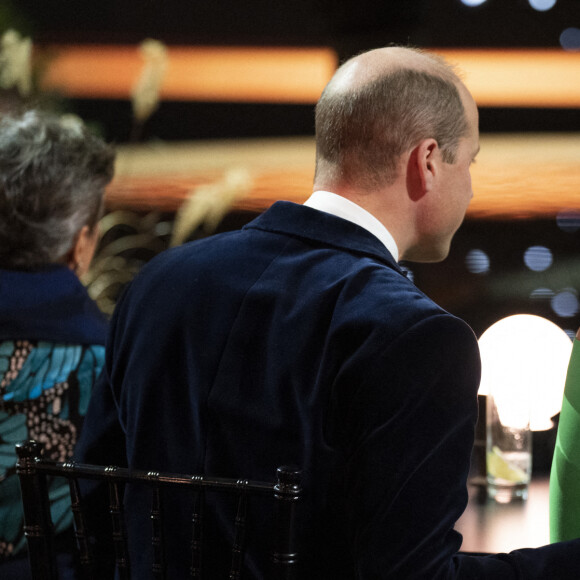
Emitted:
pixel 344 208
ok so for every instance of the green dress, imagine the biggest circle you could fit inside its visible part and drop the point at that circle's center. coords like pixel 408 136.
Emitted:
pixel 565 474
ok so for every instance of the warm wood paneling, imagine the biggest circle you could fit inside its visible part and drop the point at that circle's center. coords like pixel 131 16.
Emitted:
pixel 497 78
pixel 288 75
pixel 515 176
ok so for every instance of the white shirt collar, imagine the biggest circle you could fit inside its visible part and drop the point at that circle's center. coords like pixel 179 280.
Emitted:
pixel 344 208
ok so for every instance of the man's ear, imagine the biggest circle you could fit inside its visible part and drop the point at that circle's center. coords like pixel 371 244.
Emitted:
pixel 422 168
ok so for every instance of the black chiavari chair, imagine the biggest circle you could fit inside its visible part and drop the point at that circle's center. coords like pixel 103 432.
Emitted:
pixel 33 471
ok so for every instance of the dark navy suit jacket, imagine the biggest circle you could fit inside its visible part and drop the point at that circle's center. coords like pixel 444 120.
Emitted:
pixel 298 340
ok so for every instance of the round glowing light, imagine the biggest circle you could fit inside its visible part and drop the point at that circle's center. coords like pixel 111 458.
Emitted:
pixel 538 258
pixel 473 2
pixel 565 303
pixel 568 220
pixel 542 5
pixel 524 359
pixel 477 262
pixel 570 39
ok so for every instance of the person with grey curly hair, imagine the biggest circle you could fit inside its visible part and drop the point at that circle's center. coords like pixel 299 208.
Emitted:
pixel 53 174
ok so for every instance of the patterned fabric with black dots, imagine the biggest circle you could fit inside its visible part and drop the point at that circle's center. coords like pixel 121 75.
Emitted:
pixel 44 394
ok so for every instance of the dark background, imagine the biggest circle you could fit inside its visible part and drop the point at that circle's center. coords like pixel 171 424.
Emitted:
pixel 347 25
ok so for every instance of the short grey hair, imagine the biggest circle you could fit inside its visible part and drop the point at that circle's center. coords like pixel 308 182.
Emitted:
pixel 53 174
pixel 362 132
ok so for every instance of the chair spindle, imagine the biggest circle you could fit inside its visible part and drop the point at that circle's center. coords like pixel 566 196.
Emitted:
pixel 86 557
pixel 118 527
pixel 158 568
pixel 239 531
pixel 36 511
pixel 287 494
pixel 197 527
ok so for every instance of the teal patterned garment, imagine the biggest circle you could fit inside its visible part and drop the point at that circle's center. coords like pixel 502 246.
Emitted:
pixel 44 394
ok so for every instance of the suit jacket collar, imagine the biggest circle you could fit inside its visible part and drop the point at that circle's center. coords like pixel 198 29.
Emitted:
pixel 298 221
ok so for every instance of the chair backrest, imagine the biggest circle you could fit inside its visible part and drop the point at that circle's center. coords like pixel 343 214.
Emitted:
pixel 33 470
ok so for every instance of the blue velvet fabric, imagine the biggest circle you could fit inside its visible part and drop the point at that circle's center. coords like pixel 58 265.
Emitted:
pixel 298 340
pixel 49 304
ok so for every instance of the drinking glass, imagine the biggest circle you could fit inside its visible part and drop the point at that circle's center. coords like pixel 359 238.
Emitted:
pixel 508 446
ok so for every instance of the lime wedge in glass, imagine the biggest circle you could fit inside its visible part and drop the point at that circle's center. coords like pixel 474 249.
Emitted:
pixel 499 467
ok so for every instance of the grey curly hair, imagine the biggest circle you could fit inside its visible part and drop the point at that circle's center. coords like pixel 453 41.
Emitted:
pixel 53 174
